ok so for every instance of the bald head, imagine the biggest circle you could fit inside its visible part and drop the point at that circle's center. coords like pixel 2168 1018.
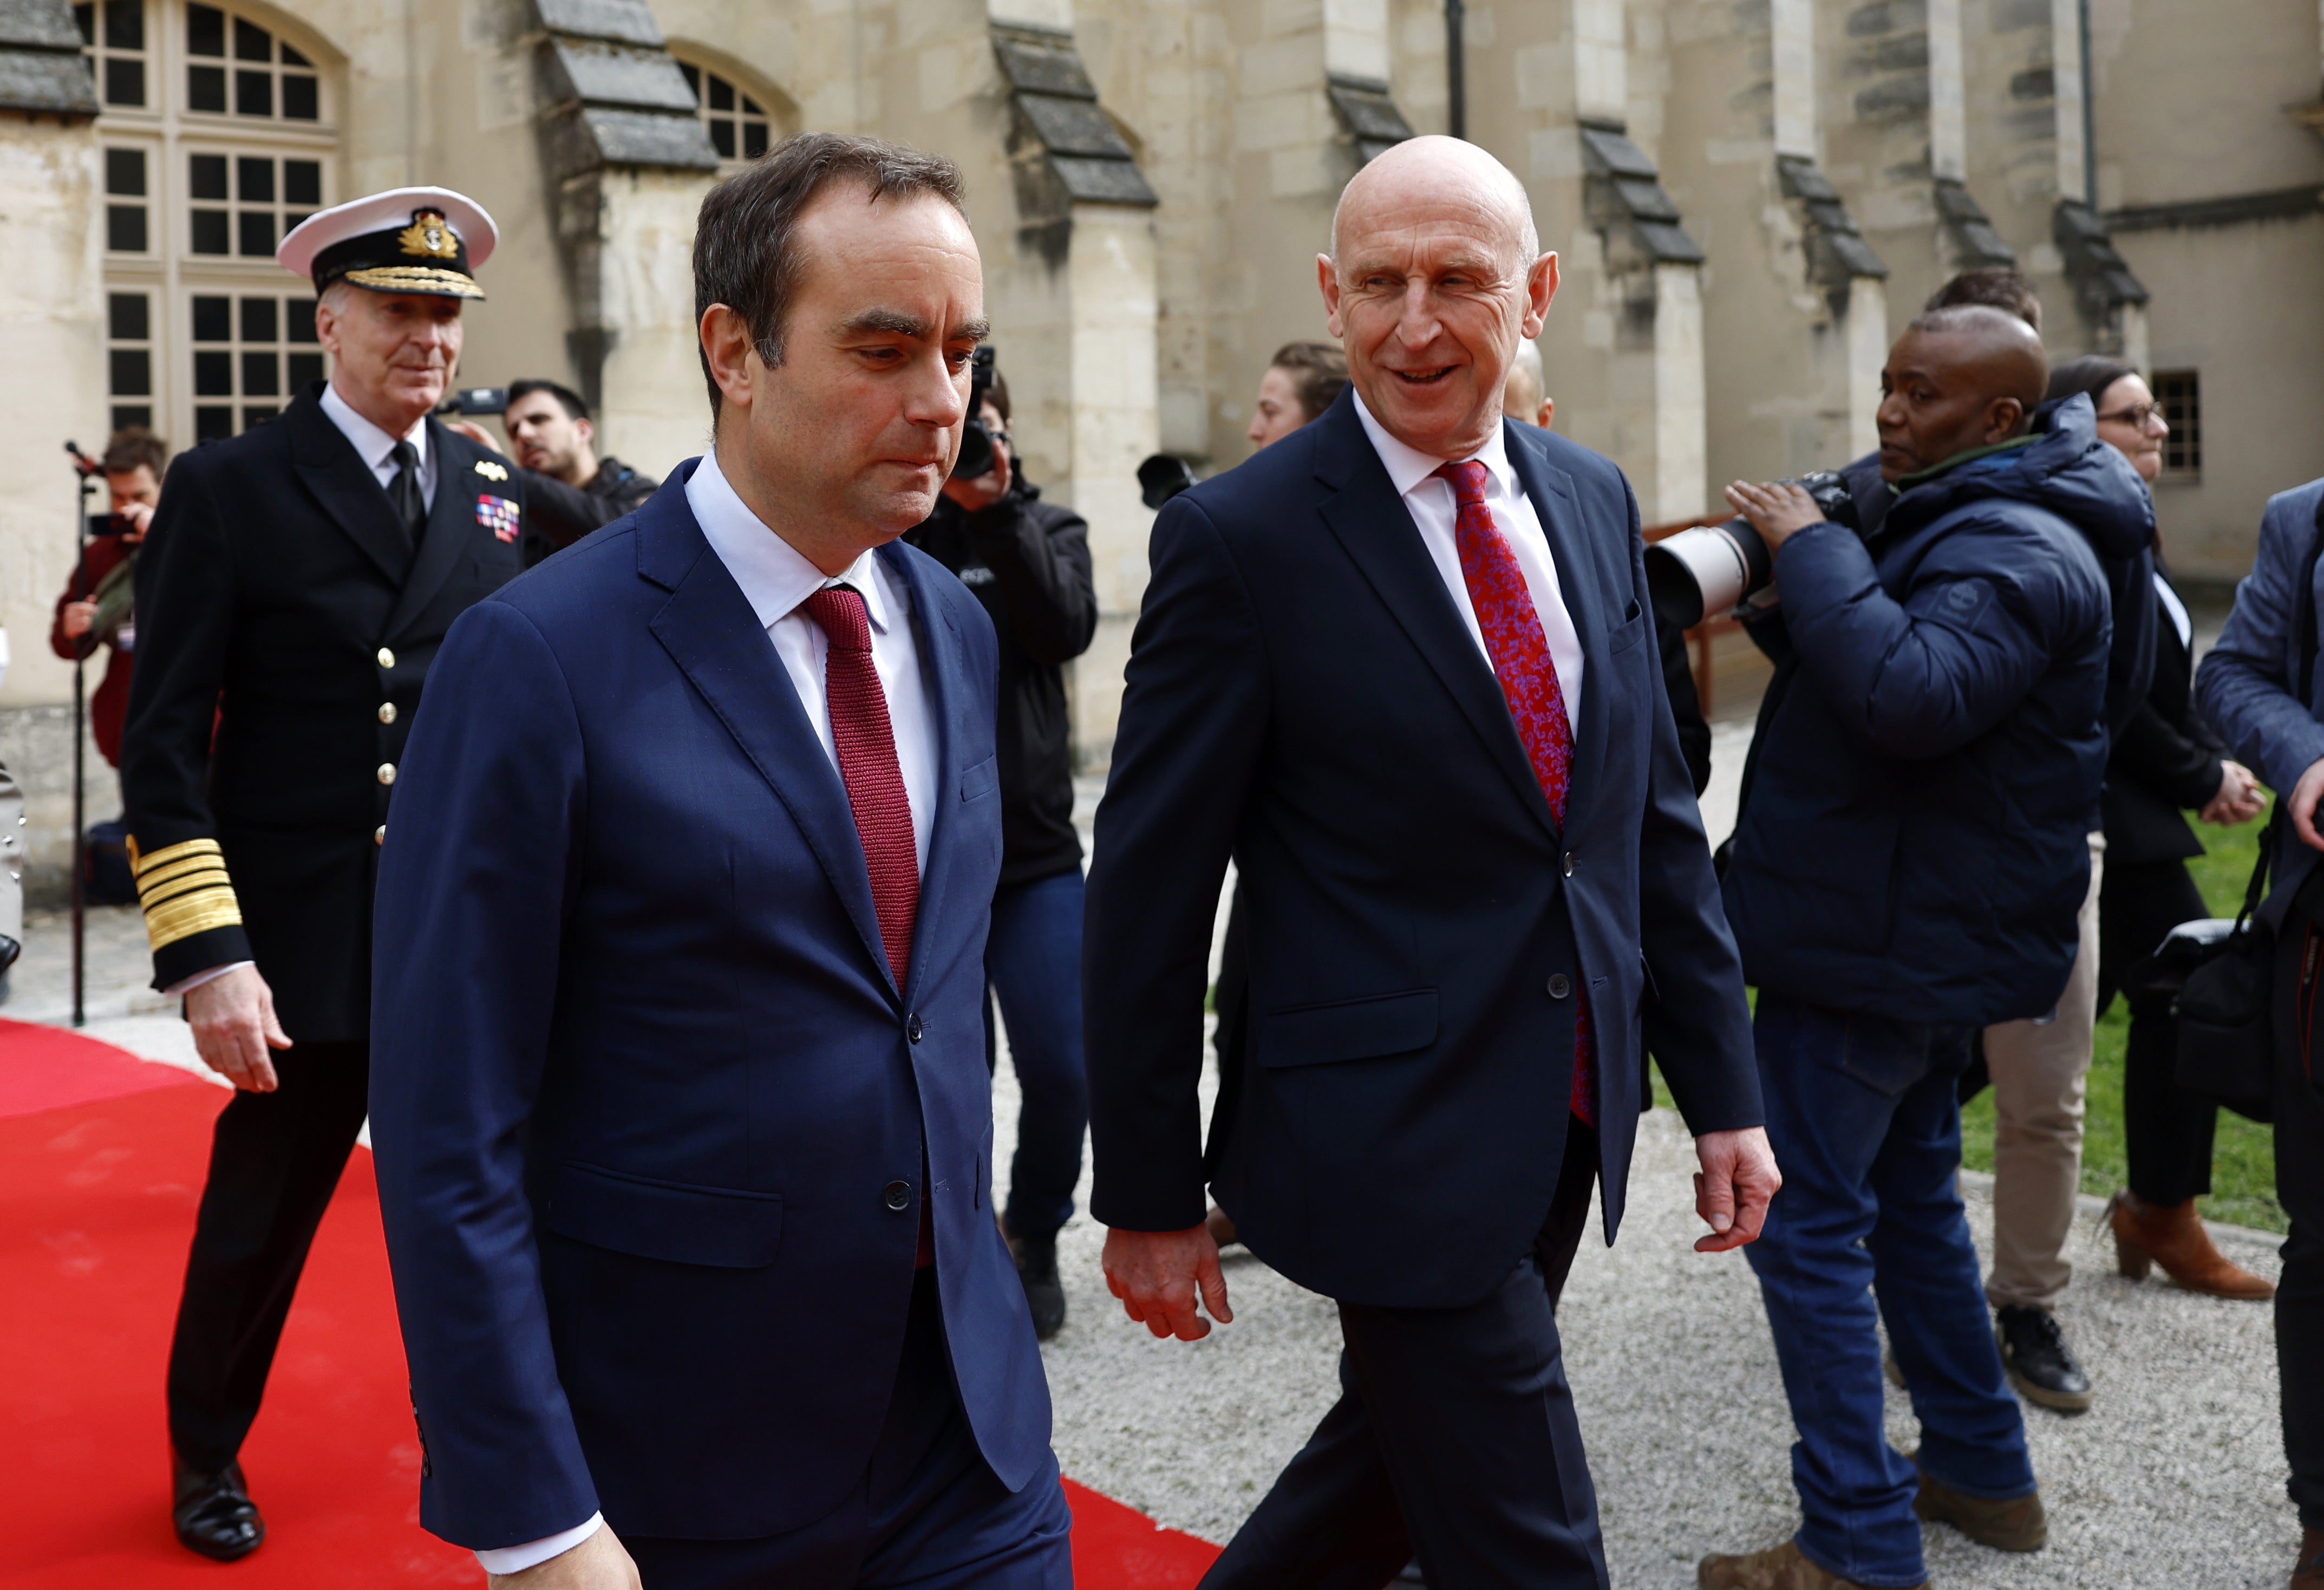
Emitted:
pixel 1960 378
pixel 1435 275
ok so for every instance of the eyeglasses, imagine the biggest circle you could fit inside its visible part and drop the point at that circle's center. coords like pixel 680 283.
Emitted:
pixel 2138 414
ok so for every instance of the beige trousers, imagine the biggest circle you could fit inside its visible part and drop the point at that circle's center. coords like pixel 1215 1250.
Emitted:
pixel 2039 1069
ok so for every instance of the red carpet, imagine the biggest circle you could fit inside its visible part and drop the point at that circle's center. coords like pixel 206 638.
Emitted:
pixel 101 1161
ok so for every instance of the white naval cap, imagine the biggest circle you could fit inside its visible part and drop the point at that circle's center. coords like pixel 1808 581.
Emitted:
pixel 425 240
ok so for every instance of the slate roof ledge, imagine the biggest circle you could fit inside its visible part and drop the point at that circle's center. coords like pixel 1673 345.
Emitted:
pixel 41 69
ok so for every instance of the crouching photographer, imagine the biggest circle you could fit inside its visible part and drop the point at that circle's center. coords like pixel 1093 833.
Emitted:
pixel 1028 562
pixel 1909 864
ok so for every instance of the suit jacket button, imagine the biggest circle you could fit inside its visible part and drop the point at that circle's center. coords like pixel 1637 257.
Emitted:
pixel 1560 986
pixel 912 1027
pixel 1567 865
pixel 387 772
pixel 387 712
pixel 386 658
pixel 899 1195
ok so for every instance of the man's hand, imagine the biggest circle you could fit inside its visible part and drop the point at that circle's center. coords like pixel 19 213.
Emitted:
pixel 1738 1181
pixel 233 1019
pixel 982 491
pixel 2240 798
pixel 1154 1273
pixel 598 1563
pixel 1777 509
pixel 482 438
pixel 2302 804
pixel 78 619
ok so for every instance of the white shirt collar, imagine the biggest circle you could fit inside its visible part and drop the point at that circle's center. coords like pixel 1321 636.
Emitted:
pixel 774 574
pixel 371 442
pixel 1407 467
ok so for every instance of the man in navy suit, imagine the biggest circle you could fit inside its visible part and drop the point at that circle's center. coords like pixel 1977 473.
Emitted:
pixel 683 1128
pixel 1400 666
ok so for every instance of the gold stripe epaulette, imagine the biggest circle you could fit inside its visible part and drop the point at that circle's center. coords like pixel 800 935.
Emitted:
pixel 184 891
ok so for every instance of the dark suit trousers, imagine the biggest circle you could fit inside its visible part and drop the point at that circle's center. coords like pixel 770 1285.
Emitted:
pixel 1454 1439
pixel 930 1513
pixel 275 1159
pixel 2167 1132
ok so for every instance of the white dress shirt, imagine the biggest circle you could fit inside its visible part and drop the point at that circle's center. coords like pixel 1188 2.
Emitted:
pixel 1434 509
pixel 376 447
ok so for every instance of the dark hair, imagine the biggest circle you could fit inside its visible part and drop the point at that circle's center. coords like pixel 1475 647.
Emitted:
pixel 1996 287
pixel 567 398
pixel 134 446
pixel 746 252
pixel 2092 374
pixel 1318 372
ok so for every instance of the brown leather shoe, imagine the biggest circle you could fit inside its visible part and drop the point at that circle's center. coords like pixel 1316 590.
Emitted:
pixel 2018 1524
pixel 2307 1574
pixel 1781 1568
pixel 2172 1235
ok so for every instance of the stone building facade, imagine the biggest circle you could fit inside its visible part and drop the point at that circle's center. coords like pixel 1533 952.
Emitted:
pixel 1750 198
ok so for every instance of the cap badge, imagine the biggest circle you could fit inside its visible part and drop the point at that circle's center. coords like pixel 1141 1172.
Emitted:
pixel 428 237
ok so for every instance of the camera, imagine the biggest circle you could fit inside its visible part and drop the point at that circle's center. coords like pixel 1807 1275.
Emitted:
pixel 109 524
pixel 976 455
pixel 475 399
pixel 1163 477
pixel 1714 567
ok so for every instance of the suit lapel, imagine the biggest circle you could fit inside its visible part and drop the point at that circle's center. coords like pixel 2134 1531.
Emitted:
pixel 451 520
pixel 330 467
pixel 1373 524
pixel 710 632
pixel 944 672
pixel 1573 554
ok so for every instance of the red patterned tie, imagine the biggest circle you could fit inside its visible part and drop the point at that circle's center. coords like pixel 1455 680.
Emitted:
pixel 866 744
pixel 1528 677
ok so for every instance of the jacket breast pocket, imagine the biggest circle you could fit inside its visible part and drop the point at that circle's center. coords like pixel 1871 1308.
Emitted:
pixel 1627 634
pixel 724 1228
pixel 981 780
pixel 1346 1030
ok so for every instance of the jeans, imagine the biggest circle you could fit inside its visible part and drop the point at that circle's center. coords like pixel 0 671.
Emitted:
pixel 1033 961
pixel 1865 1123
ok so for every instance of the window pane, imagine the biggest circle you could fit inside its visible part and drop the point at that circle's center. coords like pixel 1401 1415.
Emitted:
pixel 132 372
pixel 754 140
pixel 254 93
pixel 85 19
pixel 300 102
pixel 302 182
pixel 204 31
pixel 125 416
pixel 210 232
pixel 213 374
pixel 751 107
pixel 206 87
pixel 261 374
pixel 124 80
pixel 258 320
pixel 124 25
pixel 251 42
pixel 299 321
pixel 722 139
pixel 125 228
pixel 213 424
pixel 257 232
pixel 253 180
pixel 125 172
pixel 206 175
pixel 305 370
pixel 258 414
pixel 292 58
pixel 693 76
pixel 128 317
pixel 722 93
pixel 213 319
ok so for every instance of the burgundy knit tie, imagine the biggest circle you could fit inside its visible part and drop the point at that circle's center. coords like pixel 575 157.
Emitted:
pixel 1529 679
pixel 866 744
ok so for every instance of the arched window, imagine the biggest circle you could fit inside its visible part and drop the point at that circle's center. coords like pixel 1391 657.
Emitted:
pixel 218 138
pixel 744 120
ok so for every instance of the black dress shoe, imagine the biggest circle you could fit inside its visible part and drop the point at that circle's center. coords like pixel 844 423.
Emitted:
pixel 2041 1365
pixel 214 1512
pixel 1044 1294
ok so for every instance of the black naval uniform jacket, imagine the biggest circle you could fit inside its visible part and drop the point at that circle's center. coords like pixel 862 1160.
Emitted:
pixel 278 613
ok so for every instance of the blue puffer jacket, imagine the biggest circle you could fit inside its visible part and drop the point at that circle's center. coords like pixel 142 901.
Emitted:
pixel 1914 841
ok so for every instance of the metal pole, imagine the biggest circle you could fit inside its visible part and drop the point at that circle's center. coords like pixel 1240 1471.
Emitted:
pixel 1455 64
pixel 2089 112
pixel 79 733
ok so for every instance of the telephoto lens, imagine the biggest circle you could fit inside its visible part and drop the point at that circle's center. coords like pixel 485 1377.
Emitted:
pixel 1712 568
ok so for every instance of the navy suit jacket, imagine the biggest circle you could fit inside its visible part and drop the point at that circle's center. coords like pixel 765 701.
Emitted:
pixel 642 1082
pixel 1302 693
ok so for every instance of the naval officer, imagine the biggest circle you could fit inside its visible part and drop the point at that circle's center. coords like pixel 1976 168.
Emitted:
pixel 296 583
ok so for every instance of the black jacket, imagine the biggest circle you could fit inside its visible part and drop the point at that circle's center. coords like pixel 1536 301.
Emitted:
pixel 2165 761
pixel 1028 562
pixel 561 515
pixel 278 607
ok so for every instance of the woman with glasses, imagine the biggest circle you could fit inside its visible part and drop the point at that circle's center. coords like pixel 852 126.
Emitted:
pixel 2165 762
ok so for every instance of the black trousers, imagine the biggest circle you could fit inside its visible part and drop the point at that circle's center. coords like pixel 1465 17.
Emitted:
pixel 275 1159
pixel 2167 1131
pixel 2299 1188
pixel 1454 1439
